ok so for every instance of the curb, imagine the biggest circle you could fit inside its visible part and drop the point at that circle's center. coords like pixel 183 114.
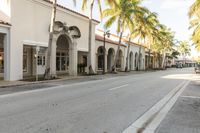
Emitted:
pixel 76 77
pixel 150 120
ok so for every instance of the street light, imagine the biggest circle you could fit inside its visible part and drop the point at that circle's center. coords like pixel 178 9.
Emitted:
pixel 106 33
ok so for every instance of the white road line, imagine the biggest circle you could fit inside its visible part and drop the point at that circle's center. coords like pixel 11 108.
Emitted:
pixel 115 88
pixel 194 97
pixel 150 120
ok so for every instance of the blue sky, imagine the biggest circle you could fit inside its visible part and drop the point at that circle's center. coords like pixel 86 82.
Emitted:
pixel 172 13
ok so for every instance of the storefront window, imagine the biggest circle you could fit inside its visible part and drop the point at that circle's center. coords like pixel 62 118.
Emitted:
pixel 62 61
pixel 39 60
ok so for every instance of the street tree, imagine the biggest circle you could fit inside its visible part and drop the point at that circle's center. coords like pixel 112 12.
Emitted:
pixel 121 13
pixel 163 43
pixel 85 4
pixel 194 15
pixel 184 49
pixel 47 74
pixel 145 29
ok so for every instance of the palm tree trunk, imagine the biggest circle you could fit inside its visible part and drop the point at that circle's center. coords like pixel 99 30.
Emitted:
pixel 127 57
pixel 91 70
pixel 163 60
pixel 138 60
pixel 149 58
pixel 117 53
pixel 149 53
pixel 47 74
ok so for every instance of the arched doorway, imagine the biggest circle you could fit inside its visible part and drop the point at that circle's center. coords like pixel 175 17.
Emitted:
pixel 62 54
pixel 136 61
pixel 131 61
pixel 100 58
pixel 110 59
pixel 120 60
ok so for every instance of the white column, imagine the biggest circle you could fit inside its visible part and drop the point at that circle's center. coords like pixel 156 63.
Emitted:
pixel 6 57
pixel 106 63
pixel 6 47
pixel 53 57
pixel 73 58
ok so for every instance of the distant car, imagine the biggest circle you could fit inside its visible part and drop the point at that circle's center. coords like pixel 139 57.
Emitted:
pixel 197 69
pixel 179 66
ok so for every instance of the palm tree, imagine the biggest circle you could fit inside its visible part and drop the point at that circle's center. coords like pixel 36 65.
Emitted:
pixel 150 24
pixel 145 29
pixel 163 43
pixel 194 15
pixel 84 6
pixel 47 74
pixel 123 13
pixel 184 49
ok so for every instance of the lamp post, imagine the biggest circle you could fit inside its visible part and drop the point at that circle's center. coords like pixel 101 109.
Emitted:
pixel 106 33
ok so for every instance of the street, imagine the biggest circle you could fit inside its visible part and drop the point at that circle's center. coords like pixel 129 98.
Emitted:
pixel 107 105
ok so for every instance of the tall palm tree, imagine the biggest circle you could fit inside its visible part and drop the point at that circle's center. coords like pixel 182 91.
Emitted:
pixel 123 13
pixel 163 43
pixel 91 5
pixel 84 6
pixel 145 29
pixel 47 74
pixel 194 15
pixel 184 49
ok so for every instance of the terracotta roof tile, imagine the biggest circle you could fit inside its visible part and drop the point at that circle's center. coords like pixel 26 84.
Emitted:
pixel 100 38
pixel 124 40
pixel 4 23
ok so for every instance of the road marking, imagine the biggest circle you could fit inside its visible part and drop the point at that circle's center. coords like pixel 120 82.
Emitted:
pixel 115 88
pixel 151 119
pixel 194 97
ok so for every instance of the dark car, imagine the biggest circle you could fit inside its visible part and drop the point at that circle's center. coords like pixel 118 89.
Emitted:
pixel 197 69
pixel 179 65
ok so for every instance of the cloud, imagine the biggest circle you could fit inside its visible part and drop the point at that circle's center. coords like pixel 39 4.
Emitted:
pixel 175 4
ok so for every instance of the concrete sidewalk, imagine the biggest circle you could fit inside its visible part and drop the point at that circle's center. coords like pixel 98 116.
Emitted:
pixel 184 117
pixel 4 84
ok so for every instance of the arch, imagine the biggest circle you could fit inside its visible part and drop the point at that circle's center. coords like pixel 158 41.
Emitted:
pixel 131 61
pixel 136 61
pixel 100 58
pixel 75 32
pixel 110 58
pixel 120 59
pixel 62 53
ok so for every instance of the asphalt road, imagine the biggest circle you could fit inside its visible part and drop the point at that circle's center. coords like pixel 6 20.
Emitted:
pixel 99 106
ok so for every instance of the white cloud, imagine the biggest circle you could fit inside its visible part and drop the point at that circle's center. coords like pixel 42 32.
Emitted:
pixel 175 4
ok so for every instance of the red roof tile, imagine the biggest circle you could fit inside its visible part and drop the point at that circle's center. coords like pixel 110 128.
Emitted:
pixel 100 38
pixel 4 23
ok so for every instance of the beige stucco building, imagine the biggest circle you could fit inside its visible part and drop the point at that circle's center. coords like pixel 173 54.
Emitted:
pixel 24 33
pixel 27 27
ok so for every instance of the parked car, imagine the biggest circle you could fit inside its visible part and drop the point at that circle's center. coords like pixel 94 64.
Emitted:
pixel 179 65
pixel 197 69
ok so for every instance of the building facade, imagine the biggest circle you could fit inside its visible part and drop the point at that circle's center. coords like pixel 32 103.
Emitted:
pixel 24 34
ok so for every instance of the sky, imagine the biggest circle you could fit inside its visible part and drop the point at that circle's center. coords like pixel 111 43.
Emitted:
pixel 172 13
